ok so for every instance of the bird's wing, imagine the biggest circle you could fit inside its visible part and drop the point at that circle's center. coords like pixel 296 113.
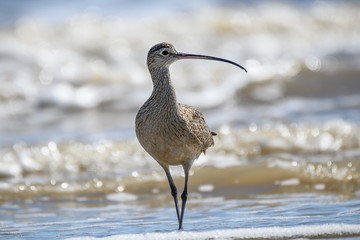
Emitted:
pixel 196 124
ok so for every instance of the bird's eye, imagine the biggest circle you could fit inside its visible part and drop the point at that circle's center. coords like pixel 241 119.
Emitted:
pixel 165 52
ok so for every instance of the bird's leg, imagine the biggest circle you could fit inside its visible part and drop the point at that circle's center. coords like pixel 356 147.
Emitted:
pixel 173 190
pixel 184 194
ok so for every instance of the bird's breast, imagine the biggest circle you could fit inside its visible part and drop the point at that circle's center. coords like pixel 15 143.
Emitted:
pixel 164 135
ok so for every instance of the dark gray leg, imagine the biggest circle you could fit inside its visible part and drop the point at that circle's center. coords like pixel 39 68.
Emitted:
pixel 173 190
pixel 184 194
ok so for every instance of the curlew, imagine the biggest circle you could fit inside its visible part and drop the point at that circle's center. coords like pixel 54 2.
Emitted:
pixel 171 132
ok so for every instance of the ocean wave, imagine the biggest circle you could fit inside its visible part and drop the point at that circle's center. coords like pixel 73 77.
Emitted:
pixel 317 157
pixel 314 231
pixel 88 61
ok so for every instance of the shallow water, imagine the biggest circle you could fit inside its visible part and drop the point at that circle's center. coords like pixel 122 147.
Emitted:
pixel 286 159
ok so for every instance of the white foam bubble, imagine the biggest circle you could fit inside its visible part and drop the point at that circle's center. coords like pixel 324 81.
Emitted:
pixel 206 188
pixel 319 186
pixel 290 182
pixel 325 230
pixel 121 197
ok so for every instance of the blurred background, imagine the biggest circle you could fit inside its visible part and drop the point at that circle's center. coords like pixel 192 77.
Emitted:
pixel 73 75
pixel 76 70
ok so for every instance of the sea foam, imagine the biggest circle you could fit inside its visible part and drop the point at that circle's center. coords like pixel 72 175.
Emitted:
pixel 326 230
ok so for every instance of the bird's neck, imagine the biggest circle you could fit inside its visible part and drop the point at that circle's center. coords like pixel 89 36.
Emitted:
pixel 163 91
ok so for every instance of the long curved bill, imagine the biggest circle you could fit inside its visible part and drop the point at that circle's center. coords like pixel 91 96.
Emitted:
pixel 196 56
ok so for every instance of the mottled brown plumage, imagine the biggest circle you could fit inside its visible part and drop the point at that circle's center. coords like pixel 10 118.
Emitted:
pixel 172 133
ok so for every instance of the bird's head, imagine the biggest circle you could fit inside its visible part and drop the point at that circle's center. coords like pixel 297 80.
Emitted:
pixel 163 54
